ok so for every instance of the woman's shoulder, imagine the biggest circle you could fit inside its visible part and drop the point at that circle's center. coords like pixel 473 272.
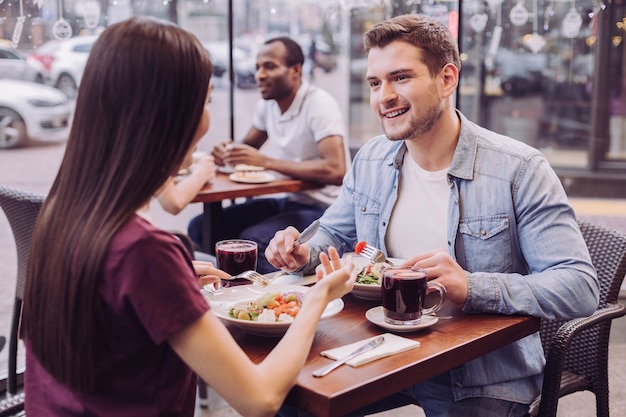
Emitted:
pixel 138 233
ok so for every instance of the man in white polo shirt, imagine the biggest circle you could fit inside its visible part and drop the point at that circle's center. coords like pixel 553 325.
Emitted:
pixel 297 131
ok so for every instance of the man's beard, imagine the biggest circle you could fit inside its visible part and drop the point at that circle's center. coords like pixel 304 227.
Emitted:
pixel 417 127
pixel 278 90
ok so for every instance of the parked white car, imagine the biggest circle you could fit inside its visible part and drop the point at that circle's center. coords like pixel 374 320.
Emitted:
pixel 31 111
pixel 14 65
pixel 69 63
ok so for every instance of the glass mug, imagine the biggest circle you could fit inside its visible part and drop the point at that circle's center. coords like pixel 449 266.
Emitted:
pixel 236 256
pixel 403 291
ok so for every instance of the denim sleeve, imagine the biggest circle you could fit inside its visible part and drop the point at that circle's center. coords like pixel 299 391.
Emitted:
pixel 337 226
pixel 555 277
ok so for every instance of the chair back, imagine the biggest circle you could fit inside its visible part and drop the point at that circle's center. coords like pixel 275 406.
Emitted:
pixel 607 248
pixel 586 357
pixel 21 209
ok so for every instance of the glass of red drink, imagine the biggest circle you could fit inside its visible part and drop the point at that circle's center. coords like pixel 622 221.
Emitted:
pixel 403 291
pixel 236 256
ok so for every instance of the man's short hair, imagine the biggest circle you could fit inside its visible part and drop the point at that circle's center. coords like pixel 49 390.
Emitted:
pixel 294 51
pixel 429 34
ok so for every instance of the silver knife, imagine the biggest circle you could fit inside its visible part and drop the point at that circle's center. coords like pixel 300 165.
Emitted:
pixel 368 346
pixel 307 233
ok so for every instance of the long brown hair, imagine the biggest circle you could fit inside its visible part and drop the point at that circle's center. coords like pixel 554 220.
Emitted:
pixel 139 104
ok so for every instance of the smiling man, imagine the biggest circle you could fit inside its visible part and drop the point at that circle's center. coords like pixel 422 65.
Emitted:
pixel 483 214
pixel 297 131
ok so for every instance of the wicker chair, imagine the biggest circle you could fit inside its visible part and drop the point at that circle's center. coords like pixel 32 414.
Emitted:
pixel 203 389
pixel 21 209
pixel 577 351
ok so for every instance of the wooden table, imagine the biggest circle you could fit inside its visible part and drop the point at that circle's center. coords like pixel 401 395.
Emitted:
pixel 222 188
pixel 446 345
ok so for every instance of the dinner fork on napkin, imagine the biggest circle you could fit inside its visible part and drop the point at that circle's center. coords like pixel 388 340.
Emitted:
pixel 393 344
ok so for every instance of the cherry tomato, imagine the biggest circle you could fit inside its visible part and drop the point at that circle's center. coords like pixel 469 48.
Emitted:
pixel 358 248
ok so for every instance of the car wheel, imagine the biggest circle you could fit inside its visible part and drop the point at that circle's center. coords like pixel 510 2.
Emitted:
pixel 12 129
pixel 67 85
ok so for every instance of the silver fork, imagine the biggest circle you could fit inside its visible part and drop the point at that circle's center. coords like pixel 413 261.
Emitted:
pixel 260 279
pixel 375 255
pixel 253 276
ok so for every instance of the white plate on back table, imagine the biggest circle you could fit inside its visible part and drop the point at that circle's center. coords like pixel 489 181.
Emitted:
pixel 255 177
pixel 222 300
pixel 368 291
pixel 226 169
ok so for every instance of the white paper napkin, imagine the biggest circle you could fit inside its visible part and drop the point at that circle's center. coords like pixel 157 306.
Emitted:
pixel 393 344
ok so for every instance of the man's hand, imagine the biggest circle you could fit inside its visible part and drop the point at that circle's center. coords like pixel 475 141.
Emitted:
pixel 281 254
pixel 245 154
pixel 440 266
pixel 220 151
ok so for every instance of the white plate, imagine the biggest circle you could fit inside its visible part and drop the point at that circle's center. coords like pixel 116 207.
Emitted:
pixel 226 169
pixel 246 167
pixel 368 291
pixel 222 300
pixel 256 177
pixel 375 315
pixel 294 279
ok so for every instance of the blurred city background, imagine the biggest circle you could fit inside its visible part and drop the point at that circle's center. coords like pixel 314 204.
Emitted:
pixel 547 72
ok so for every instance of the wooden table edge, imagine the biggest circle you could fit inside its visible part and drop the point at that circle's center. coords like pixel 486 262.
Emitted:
pixel 333 406
pixel 222 188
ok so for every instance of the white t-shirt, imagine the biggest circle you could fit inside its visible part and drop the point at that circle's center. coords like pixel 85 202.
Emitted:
pixel 313 115
pixel 419 218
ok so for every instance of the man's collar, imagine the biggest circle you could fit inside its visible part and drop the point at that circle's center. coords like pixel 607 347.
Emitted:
pixel 296 105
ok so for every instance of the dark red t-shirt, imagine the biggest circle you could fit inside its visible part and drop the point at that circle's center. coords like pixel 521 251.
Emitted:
pixel 151 292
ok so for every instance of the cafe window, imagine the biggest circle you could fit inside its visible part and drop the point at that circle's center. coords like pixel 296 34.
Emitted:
pixel 528 73
pixel 547 72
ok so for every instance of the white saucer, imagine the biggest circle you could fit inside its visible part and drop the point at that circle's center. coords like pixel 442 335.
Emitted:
pixel 376 316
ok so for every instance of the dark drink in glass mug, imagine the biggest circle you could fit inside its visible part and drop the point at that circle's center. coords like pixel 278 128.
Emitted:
pixel 236 256
pixel 403 291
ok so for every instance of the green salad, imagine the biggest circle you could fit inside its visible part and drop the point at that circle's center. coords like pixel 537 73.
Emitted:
pixel 270 307
pixel 371 274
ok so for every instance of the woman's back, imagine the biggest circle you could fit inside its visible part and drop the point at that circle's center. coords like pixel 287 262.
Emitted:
pixel 144 306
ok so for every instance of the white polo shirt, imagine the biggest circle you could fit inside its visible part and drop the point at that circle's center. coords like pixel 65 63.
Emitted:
pixel 313 115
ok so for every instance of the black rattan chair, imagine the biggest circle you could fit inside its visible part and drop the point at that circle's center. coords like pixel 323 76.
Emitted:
pixel 203 389
pixel 21 209
pixel 577 351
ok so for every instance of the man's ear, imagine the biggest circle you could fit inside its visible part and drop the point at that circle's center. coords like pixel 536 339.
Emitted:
pixel 450 77
pixel 297 69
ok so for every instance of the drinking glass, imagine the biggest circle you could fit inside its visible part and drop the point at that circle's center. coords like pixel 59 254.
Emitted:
pixel 236 256
pixel 403 291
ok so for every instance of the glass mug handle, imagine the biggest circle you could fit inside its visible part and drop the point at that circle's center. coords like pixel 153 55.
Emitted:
pixel 442 297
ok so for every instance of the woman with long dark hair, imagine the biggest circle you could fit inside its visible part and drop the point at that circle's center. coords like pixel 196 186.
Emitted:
pixel 114 322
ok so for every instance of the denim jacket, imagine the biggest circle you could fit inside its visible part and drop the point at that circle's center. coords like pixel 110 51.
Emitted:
pixel 509 226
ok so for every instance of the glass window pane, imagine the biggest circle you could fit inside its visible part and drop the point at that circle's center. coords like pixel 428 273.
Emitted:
pixel 528 66
pixel 617 84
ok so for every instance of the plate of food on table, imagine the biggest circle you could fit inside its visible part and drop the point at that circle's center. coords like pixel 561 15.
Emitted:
pixel 263 311
pixel 369 278
pixel 251 174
